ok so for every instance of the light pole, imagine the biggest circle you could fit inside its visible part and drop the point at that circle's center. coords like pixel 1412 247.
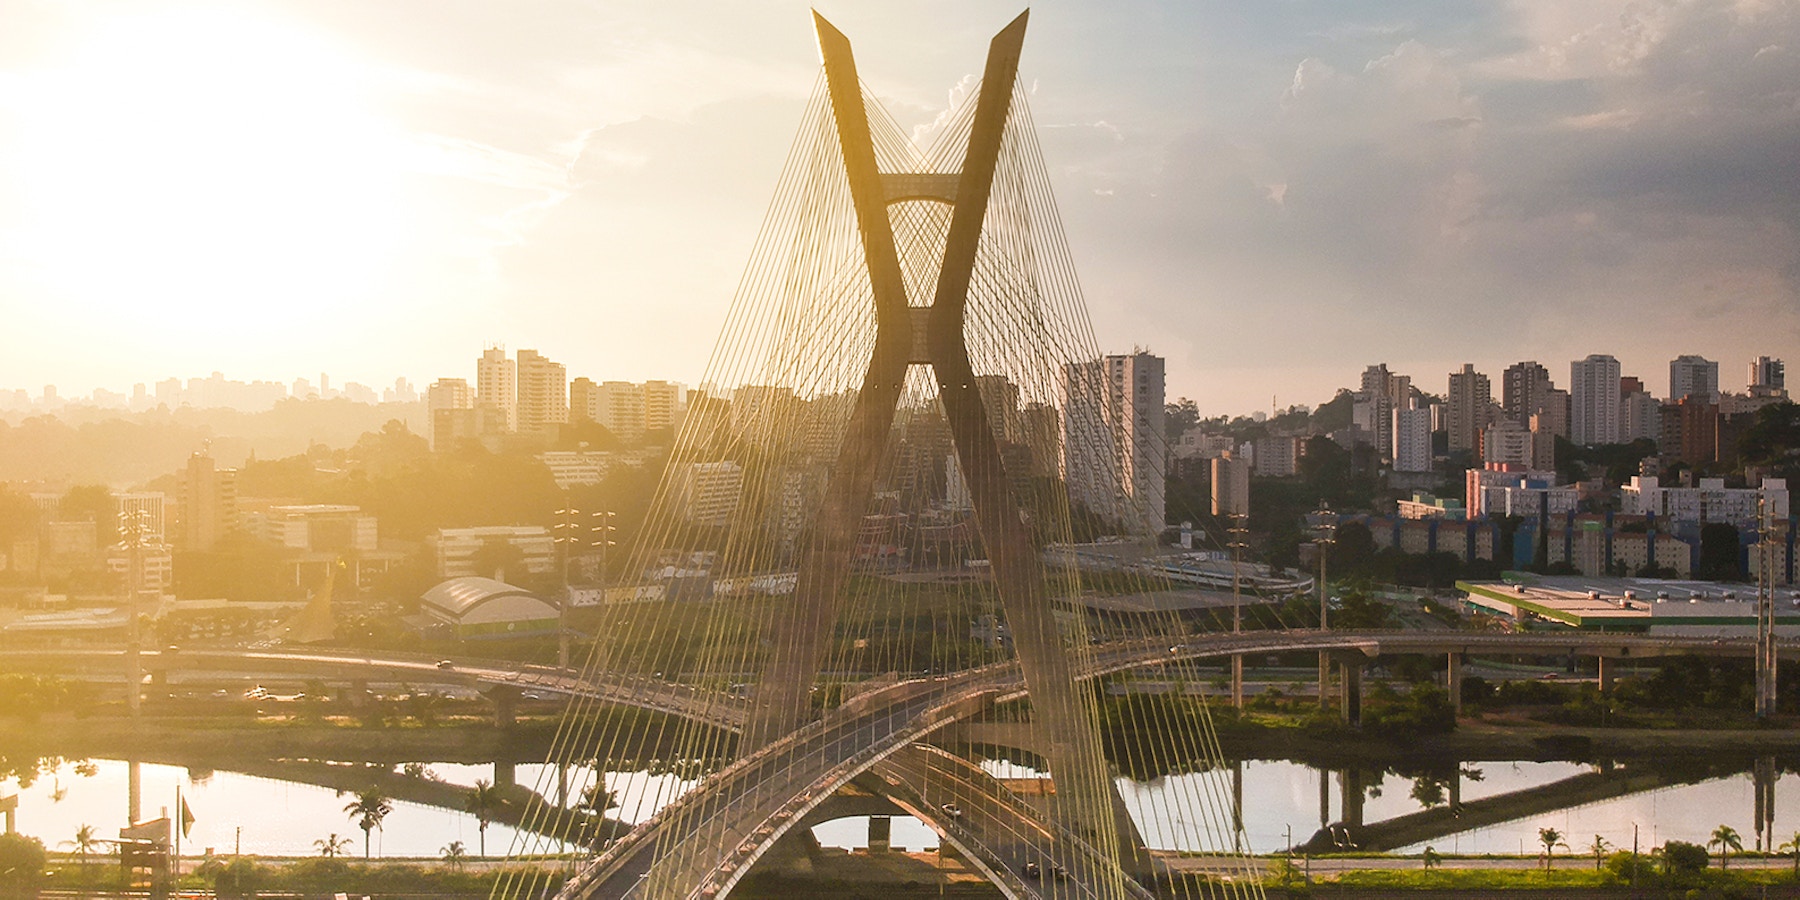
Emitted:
pixel 572 535
pixel 1326 522
pixel 1238 533
pixel 1766 659
pixel 133 533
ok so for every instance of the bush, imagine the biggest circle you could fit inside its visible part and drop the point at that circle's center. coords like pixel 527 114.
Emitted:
pixel 21 865
pixel 1626 867
pixel 1682 858
pixel 239 878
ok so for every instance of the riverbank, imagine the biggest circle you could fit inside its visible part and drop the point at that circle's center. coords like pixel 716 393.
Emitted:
pixel 188 738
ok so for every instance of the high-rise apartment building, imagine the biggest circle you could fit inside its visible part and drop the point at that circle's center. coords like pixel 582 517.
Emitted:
pixel 1468 398
pixel 496 386
pixel 584 400
pixel 1767 377
pixel 662 405
pixel 1230 486
pixel 1594 400
pixel 442 398
pixel 1412 440
pixel 208 507
pixel 1114 449
pixel 543 402
pixel 1693 376
pixel 1522 389
pixel 1640 415
pixel 619 408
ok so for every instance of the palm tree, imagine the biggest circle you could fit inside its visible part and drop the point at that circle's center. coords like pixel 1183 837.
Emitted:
pixel 597 799
pixel 331 845
pixel 1793 847
pixel 1727 840
pixel 367 811
pixel 1551 839
pixel 454 854
pixel 1599 848
pixel 86 839
pixel 483 802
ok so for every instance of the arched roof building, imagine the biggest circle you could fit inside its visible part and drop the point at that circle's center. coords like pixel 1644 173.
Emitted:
pixel 476 607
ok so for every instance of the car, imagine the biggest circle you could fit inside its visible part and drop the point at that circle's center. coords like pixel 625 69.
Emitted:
pixel 1058 872
pixel 445 664
pixel 1032 871
pixel 952 810
pixel 257 693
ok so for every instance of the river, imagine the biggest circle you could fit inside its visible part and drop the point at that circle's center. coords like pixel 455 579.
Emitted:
pixel 236 812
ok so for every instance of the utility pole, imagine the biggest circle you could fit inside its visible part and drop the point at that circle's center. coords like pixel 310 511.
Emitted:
pixel 1326 522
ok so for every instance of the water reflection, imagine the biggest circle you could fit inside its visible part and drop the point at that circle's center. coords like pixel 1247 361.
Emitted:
pixel 1485 807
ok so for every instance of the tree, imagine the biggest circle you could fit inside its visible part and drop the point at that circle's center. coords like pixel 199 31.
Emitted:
pixel 454 854
pixel 86 839
pixel 1599 848
pixel 331 845
pixel 1728 841
pixel 1793 846
pixel 367 811
pixel 483 802
pixel 21 864
pixel 1551 839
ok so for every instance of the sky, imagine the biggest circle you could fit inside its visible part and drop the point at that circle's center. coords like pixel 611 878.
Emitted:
pixel 1270 195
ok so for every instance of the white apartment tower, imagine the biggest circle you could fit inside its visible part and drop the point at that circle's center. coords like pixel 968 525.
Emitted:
pixel 1594 400
pixel 1412 440
pixel 496 386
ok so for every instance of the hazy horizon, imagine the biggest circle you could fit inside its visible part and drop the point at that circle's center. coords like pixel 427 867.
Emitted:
pixel 1271 198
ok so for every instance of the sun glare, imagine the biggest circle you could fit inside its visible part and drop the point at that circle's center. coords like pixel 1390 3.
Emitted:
pixel 204 163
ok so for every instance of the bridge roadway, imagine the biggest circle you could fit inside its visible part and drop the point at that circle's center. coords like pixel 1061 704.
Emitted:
pixel 486 675
pixel 751 804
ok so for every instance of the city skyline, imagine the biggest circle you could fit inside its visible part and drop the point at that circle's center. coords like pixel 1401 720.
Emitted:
pixel 1326 186
pixel 1732 377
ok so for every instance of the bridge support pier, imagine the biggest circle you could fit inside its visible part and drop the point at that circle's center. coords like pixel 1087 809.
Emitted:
pixel 1453 677
pixel 1237 681
pixel 881 834
pixel 505 773
pixel 1353 798
pixel 1324 798
pixel 506 706
pixel 1351 709
pixel 1324 680
pixel 1606 675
